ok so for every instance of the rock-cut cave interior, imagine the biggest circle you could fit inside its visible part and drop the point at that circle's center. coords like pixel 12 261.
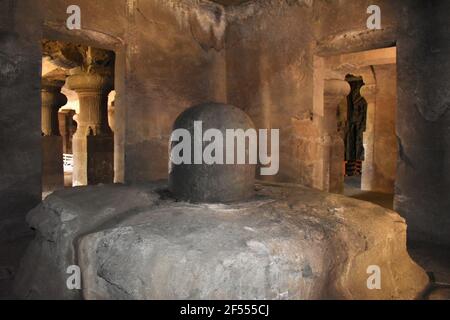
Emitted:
pixel 225 149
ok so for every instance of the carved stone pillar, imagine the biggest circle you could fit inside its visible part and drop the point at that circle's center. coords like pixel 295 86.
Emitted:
pixel 52 148
pixel 333 145
pixel 67 129
pixel 93 142
pixel 368 92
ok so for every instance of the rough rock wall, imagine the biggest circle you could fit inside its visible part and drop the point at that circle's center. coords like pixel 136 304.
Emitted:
pixel 102 21
pixel 20 126
pixel 175 59
pixel 423 117
pixel 269 75
pixel 169 57
pixel 340 26
pixel 422 179
pixel 271 47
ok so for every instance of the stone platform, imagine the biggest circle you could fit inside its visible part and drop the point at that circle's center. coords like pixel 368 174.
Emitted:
pixel 288 242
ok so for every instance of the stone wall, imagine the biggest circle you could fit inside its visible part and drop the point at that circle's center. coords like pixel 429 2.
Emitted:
pixel 272 69
pixel 269 75
pixel 166 61
pixel 173 62
pixel 271 50
pixel 423 117
pixel 169 56
pixel 341 26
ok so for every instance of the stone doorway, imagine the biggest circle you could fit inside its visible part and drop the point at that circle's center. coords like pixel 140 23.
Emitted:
pixel 370 136
pixel 365 81
pixel 77 115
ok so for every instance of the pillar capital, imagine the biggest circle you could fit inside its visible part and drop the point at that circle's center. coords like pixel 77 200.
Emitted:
pixel 92 89
pixel 90 83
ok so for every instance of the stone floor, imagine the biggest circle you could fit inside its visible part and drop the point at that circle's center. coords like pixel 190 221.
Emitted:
pixel 352 189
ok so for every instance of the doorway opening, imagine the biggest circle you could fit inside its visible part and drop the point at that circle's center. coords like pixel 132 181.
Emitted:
pixel 77 115
pixel 362 86
pixel 370 137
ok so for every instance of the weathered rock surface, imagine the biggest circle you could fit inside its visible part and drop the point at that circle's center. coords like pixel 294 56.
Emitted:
pixel 288 242
pixel 60 221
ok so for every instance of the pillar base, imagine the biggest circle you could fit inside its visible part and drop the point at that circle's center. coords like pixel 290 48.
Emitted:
pixel 93 159
pixel 100 150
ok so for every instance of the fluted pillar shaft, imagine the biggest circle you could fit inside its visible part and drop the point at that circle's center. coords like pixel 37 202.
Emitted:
pixel 93 142
pixel 333 145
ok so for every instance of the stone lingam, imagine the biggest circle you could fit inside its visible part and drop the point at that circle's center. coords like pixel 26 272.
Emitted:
pixel 275 241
